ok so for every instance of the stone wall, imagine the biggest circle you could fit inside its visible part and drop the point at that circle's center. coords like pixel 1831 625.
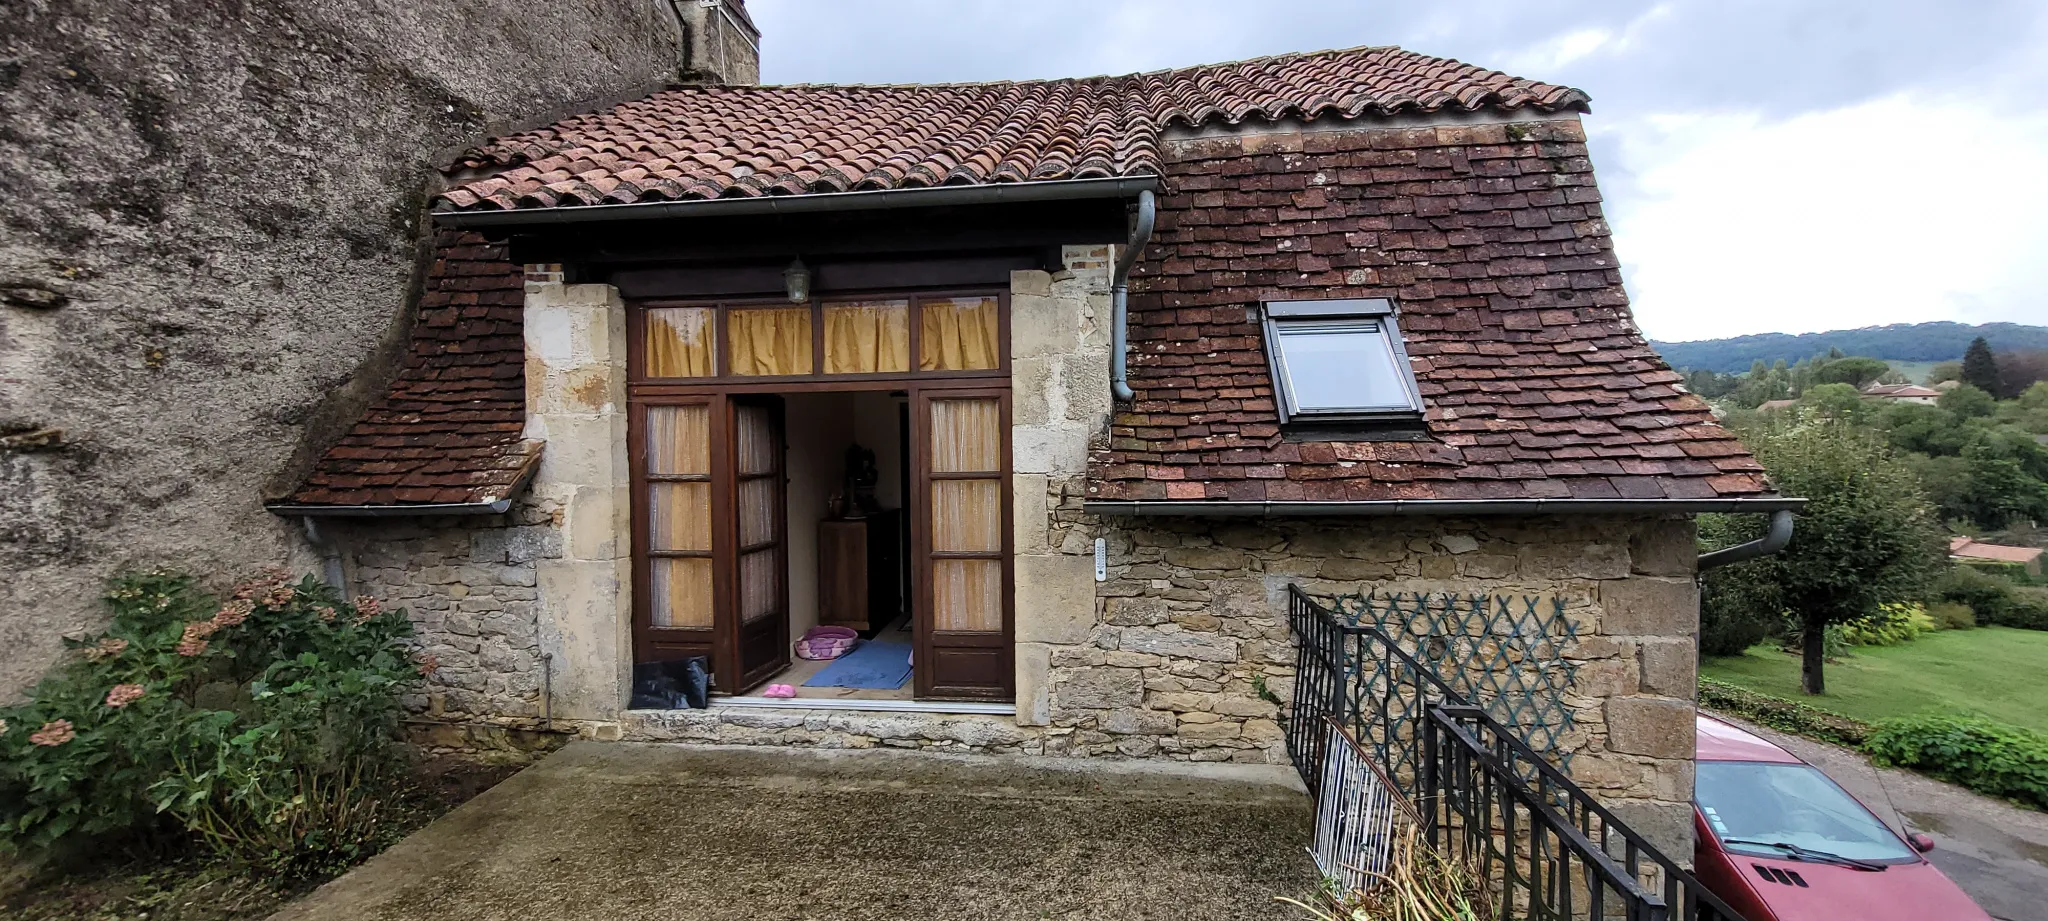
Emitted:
pixel 471 587
pixel 209 218
pixel 1188 653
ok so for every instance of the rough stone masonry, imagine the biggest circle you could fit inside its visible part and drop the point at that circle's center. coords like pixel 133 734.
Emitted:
pixel 210 211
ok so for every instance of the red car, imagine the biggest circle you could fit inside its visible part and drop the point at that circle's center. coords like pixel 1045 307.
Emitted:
pixel 1779 841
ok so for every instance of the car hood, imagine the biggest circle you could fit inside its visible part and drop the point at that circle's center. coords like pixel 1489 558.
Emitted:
pixel 1901 892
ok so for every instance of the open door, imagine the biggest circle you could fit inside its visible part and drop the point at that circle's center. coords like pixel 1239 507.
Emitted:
pixel 673 465
pixel 755 621
pixel 960 495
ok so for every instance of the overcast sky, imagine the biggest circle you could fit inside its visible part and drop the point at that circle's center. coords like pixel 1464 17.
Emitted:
pixel 1768 165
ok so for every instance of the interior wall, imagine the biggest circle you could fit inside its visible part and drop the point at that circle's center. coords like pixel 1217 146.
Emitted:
pixel 818 427
pixel 875 426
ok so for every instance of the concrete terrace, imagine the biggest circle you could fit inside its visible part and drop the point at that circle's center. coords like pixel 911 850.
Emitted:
pixel 652 831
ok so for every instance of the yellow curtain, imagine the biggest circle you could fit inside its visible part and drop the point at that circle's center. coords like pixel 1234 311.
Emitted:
pixel 969 595
pixel 967 435
pixel 679 440
pixel 967 515
pixel 774 340
pixel 679 342
pixel 681 587
pixel 957 334
pixel 679 517
pixel 867 337
pixel 679 514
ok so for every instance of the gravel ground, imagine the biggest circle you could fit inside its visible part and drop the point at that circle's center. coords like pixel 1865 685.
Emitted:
pixel 621 831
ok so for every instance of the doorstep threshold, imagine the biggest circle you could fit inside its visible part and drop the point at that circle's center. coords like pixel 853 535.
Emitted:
pixel 887 706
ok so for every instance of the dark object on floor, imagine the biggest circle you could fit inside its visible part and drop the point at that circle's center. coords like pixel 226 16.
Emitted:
pixel 677 684
pixel 879 665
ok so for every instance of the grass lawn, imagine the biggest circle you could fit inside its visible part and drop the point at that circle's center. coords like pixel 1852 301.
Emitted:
pixel 1993 671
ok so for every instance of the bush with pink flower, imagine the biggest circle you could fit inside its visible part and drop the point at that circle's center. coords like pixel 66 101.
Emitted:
pixel 261 726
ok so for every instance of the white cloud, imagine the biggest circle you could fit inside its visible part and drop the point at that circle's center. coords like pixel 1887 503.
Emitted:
pixel 1902 209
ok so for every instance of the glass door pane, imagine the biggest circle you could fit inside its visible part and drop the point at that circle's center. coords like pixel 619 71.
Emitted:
pixel 760 625
pixel 965 637
pixel 678 515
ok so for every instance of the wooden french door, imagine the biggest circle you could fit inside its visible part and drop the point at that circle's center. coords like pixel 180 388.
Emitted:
pixel 960 506
pixel 755 622
pixel 674 507
pixel 711 528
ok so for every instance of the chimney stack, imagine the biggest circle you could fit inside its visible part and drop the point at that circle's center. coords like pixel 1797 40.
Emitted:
pixel 720 42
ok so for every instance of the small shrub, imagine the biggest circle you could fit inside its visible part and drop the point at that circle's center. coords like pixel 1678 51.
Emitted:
pixel 1994 600
pixel 1988 757
pixel 1781 714
pixel 1949 615
pixel 260 726
pixel 1894 624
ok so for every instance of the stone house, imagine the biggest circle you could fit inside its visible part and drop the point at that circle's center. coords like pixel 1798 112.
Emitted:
pixel 1130 355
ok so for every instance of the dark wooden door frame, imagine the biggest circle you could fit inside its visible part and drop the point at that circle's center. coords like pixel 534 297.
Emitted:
pixel 652 643
pixel 1003 685
pixel 722 394
pixel 759 652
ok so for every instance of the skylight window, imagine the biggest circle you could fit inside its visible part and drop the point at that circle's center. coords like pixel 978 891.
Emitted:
pixel 1339 360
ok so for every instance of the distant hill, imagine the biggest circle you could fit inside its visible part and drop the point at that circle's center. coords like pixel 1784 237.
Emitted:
pixel 1917 342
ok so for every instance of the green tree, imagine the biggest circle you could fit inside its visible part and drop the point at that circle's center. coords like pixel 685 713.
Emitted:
pixel 1867 536
pixel 1856 372
pixel 2030 411
pixel 1968 402
pixel 1945 371
pixel 1836 401
pixel 1980 370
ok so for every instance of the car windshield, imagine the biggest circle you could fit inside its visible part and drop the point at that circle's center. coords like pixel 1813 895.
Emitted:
pixel 1789 804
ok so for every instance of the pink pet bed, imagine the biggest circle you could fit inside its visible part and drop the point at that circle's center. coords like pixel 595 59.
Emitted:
pixel 826 642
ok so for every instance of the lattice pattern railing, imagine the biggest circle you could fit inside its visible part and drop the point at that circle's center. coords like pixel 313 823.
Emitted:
pixel 1485 795
pixel 1503 653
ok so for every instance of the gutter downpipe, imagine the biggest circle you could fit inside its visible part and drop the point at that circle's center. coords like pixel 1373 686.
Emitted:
pixel 1120 294
pixel 330 556
pixel 1773 541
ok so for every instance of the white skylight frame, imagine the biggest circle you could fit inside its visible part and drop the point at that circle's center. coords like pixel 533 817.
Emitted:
pixel 1374 335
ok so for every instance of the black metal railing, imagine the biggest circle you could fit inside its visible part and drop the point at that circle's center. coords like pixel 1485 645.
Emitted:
pixel 1545 846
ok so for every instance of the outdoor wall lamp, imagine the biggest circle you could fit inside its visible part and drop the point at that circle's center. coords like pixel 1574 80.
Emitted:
pixel 797 278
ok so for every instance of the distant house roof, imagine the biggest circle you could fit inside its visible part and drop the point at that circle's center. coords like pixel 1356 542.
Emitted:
pixel 1774 405
pixel 1968 548
pixel 1901 392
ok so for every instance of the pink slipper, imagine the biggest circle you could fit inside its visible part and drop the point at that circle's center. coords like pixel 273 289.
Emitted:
pixel 778 690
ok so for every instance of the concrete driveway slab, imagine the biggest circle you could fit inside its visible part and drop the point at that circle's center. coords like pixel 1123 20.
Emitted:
pixel 623 831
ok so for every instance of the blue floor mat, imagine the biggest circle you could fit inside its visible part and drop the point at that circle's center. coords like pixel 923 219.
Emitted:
pixel 874 664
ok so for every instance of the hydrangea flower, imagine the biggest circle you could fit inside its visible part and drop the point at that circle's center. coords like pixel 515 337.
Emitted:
pixel 122 695
pixel 53 734
pixel 233 613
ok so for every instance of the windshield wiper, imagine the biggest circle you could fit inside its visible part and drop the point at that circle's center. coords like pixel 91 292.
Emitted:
pixel 1802 853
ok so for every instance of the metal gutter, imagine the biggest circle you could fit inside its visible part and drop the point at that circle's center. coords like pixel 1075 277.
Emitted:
pixel 873 200
pixel 391 511
pixel 1773 541
pixel 1377 507
pixel 1120 296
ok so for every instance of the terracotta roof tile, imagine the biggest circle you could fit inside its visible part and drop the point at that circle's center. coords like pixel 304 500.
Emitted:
pixel 744 141
pixel 1536 381
pixel 1488 236
pixel 447 431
